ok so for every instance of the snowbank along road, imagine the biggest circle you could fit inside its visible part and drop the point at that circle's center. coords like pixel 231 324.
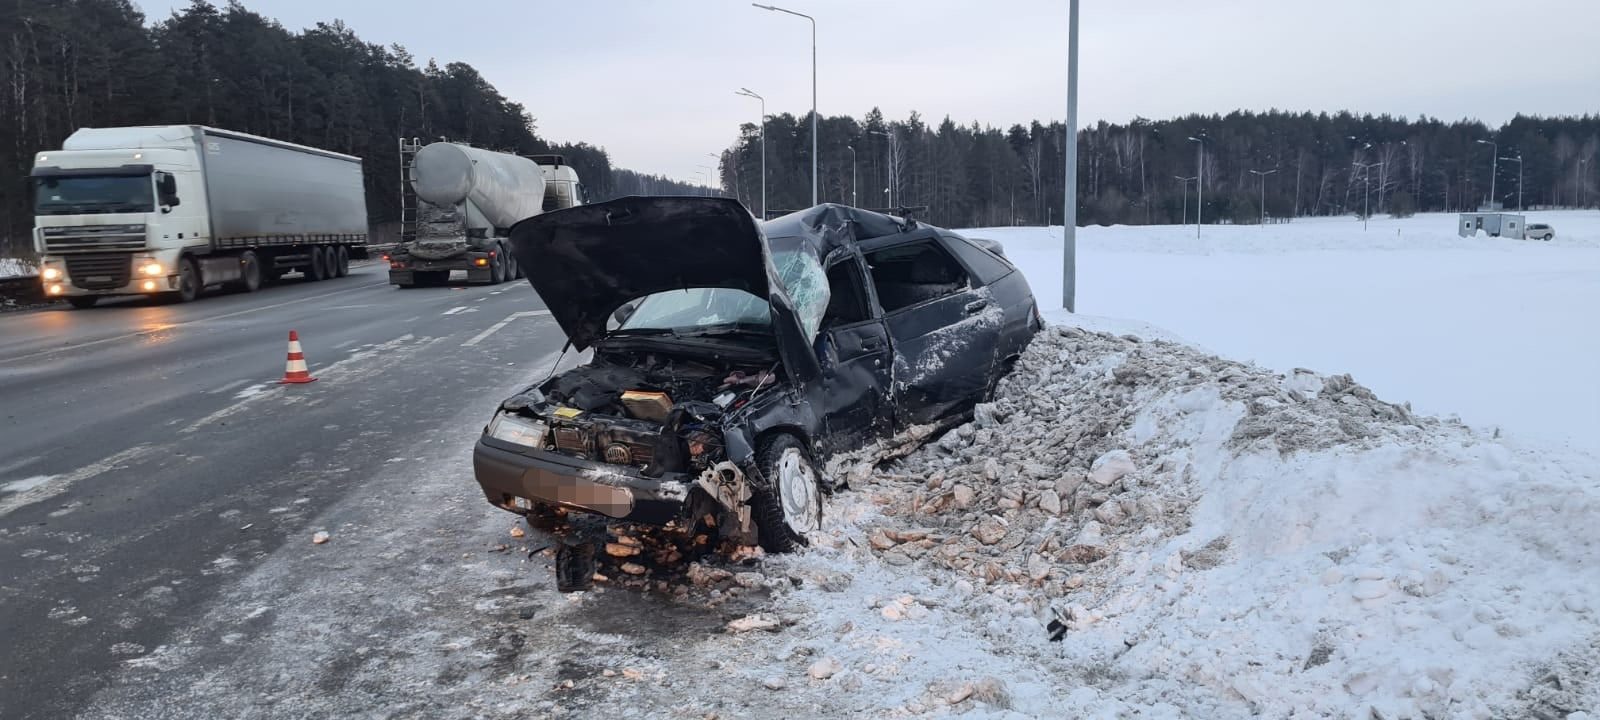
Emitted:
pixel 1132 527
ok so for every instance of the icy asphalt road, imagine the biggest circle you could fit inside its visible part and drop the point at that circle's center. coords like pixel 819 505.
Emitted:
pixel 148 460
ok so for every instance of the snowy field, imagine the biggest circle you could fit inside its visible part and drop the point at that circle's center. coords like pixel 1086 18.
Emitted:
pixel 1502 333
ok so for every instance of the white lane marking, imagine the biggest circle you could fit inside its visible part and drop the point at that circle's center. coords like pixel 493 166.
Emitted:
pixel 344 344
pixel 44 487
pixel 455 310
pixel 480 337
pixel 195 321
pixel 228 387
pixel 22 462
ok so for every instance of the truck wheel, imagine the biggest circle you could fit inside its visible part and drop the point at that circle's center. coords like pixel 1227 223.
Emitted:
pixel 343 268
pixel 83 302
pixel 516 268
pixel 789 504
pixel 249 272
pixel 188 280
pixel 317 266
pixel 330 262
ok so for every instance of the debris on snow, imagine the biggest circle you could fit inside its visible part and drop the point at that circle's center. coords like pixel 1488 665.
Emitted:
pixel 319 537
pixel 824 668
pixel 1215 536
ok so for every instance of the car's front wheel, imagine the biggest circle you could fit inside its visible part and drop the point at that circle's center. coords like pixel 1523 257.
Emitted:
pixel 788 506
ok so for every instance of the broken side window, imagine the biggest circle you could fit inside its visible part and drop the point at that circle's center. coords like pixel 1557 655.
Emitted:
pixel 914 273
pixel 802 276
pixel 848 303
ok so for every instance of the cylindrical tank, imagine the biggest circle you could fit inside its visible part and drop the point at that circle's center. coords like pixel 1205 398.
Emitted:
pixel 505 188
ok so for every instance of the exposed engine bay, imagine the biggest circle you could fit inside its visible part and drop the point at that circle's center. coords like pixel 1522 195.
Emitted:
pixel 651 411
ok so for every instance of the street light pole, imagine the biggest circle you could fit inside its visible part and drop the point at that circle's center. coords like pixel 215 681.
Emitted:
pixel 1494 167
pixel 1185 181
pixel 1582 189
pixel 889 166
pixel 1263 176
pixel 1069 209
pixel 1366 191
pixel 813 91
pixel 852 150
pixel 1199 182
pixel 1518 161
pixel 763 132
pixel 711 179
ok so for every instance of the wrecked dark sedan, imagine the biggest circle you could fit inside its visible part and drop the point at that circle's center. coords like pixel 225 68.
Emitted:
pixel 732 356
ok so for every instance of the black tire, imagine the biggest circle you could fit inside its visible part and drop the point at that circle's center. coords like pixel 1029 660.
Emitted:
pixel 249 272
pixel 189 286
pixel 317 267
pixel 330 262
pixel 767 498
pixel 343 266
pixel 83 302
pixel 497 266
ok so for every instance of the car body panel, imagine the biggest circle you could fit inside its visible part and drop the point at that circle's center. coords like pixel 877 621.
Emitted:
pixel 855 376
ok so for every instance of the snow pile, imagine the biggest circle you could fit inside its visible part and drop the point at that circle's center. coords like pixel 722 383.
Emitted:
pixel 16 267
pixel 1206 538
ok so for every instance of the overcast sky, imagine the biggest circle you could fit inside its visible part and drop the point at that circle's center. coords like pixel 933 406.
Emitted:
pixel 652 81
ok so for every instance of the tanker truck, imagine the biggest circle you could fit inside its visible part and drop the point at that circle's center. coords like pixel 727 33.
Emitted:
pixel 174 209
pixel 458 204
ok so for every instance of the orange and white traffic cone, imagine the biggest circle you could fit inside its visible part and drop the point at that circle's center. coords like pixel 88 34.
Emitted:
pixel 296 371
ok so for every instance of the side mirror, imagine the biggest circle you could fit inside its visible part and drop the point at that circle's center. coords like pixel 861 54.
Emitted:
pixel 167 188
pixel 623 313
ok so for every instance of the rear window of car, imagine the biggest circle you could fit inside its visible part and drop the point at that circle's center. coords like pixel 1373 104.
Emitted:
pixel 983 264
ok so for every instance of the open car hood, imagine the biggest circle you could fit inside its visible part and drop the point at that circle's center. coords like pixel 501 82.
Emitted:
pixel 589 260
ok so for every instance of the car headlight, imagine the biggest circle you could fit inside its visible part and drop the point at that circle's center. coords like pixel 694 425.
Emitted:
pixel 518 430
pixel 51 273
pixel 152 269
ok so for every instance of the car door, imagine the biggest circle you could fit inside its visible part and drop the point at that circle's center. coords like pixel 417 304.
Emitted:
pixel 1007 289
pixel 856 358
pixel 945 329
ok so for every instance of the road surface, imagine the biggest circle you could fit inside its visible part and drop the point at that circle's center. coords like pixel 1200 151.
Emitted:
pixel 159 493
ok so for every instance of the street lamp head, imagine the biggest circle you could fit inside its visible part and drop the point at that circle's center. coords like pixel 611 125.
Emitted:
pixel 1195 139
pixel 1483 142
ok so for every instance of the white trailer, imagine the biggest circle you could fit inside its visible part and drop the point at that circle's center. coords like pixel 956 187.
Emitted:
pixel 175 209
pixel 1493 224
pixel 458 204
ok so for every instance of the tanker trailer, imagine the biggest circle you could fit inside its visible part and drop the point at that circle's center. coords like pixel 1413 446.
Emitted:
pixel 459 202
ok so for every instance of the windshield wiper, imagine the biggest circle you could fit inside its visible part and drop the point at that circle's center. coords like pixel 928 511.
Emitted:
pixel 642 332
pixel 731 329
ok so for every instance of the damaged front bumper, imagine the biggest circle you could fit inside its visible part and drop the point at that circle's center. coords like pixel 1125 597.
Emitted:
pixel 508 472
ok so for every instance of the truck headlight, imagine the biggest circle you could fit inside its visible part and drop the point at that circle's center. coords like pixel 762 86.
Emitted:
pixel 50 273
pixel 152 269
pixel 518 431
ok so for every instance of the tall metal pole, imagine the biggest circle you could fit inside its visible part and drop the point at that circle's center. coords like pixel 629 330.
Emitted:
pixel 1518 161
pixel 1494 168
pixel 852 150
pixel 1199 183
pixel 813 91
pixel 1366 190
pixel 1263 176
pixel 1185 181
pixel 747 92
pixel 889 165
pixel 1069 209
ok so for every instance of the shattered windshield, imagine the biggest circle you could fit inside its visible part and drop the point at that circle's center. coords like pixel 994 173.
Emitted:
pixel 699 309
pixel 85 194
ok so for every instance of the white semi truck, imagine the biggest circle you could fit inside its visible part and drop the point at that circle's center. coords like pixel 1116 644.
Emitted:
pixel 175 209
pixel 458 204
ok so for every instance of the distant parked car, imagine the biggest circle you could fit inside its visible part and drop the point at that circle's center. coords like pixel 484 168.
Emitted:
pixel 1539 231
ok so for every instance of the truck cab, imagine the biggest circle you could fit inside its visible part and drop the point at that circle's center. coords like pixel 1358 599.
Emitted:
pixel 562 189
pixel 113 216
